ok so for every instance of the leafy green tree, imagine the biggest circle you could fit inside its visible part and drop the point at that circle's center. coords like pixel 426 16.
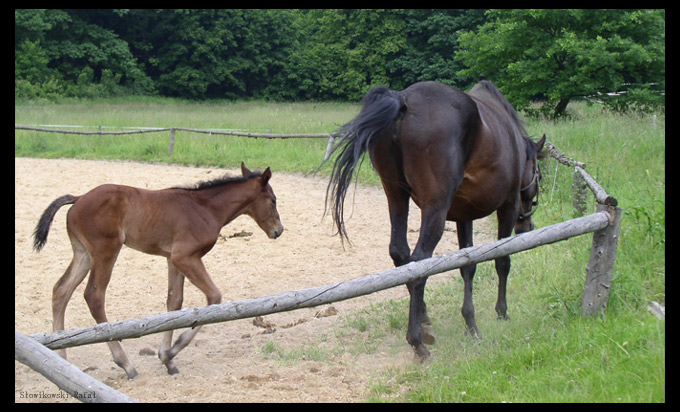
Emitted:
pixel 562 54
pixel 343 53
pixel 212 53
pixel 432 43
pixel 66 44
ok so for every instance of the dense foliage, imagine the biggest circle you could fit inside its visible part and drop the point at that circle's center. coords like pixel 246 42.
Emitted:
pixel 335 54
pixel 572 53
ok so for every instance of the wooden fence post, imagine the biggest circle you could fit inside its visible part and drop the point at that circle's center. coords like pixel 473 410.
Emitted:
pixel 601 265
pixel 171 145
pixel 329 146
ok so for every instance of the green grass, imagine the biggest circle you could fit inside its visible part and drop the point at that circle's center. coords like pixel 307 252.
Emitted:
pixel 298 155
pixel 547 352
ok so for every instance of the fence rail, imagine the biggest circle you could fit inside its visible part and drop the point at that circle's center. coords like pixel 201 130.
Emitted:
pixel 171 144
pixel 66 376
pixel 165 129
pixel 105 332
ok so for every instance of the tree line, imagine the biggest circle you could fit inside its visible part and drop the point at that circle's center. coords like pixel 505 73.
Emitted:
pixel 331 54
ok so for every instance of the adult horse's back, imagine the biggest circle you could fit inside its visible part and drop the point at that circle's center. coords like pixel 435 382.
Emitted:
pixel 460 157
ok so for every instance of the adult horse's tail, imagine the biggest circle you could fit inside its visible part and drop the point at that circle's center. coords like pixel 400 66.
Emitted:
pixel 43 227
pixel 381 107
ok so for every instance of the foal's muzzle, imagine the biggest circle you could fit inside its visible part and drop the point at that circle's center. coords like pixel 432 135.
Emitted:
pixel 276 232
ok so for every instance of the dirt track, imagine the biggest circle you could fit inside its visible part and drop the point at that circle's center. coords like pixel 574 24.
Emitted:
pixel 225 362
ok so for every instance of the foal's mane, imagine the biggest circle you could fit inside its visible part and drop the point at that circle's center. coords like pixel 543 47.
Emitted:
pixel 220 181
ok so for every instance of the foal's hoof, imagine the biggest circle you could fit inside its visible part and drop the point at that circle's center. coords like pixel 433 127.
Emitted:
pixel 172 369
pixel 132 373
pixel 428 334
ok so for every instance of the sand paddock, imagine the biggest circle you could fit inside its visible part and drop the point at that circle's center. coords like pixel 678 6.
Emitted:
pixel 225 362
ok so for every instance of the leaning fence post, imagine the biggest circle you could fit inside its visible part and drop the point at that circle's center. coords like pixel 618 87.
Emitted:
pixel 601 265
pixel 171 145
pixel 329 146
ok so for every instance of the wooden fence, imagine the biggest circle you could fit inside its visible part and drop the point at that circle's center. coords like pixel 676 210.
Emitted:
pixel 605 224
pixel 171 143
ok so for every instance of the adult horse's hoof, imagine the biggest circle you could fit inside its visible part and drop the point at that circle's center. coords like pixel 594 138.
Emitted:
pixel 422 353
pixel 473 333
pixel 428 334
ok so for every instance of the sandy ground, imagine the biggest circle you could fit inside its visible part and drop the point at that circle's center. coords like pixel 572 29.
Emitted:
pixel 225 362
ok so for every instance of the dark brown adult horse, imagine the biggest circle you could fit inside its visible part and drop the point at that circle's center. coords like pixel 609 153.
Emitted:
pixel 181 224
pixel 460 157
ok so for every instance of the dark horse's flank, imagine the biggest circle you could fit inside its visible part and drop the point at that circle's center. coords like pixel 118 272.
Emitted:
pixel 181 224
pixel 460 157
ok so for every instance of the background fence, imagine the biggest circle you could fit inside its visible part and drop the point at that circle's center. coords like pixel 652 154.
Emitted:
pixel 172 130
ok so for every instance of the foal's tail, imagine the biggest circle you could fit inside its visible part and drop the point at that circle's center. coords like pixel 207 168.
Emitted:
pixel 43 227
pixel 381 107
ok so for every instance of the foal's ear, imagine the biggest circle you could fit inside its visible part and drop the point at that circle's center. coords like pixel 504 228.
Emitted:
pixel 244 170
pixel 266 175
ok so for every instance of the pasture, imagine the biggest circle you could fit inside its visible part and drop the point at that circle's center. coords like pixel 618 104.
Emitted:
pixel 547 352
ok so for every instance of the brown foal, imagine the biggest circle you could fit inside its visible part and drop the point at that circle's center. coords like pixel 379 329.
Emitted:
pixel 181 224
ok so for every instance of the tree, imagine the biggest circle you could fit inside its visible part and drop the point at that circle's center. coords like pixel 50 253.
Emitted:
pixel 210 53
pixel 69 46
pixel 340 54
pixel 432 43
pixel 561 54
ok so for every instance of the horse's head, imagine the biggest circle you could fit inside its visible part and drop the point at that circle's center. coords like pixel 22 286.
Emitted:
pixel 529 187
pixel 263 208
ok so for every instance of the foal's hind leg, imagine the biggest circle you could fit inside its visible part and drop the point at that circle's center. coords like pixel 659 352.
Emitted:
pixel 63 289
pixel 95 296
pixel 175 299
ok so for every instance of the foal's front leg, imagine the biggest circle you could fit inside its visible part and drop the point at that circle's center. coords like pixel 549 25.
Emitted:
pixel 179 266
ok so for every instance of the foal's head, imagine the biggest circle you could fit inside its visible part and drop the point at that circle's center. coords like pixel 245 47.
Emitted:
pixel 263 208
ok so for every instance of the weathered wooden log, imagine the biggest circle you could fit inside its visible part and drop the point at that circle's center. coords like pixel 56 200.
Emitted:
pixel 600 195
pixel 99 132
pixel 65 375
pixel 316 296
pixel 567 161
pixel 258 135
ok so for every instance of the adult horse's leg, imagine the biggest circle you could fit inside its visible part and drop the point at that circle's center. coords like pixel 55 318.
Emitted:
pixel 387 159
pixel 468 273
pixel 95 296
pixel 398 204
pixel 63 289
pixel 174 302
pixel 506 221
pixel 431 230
